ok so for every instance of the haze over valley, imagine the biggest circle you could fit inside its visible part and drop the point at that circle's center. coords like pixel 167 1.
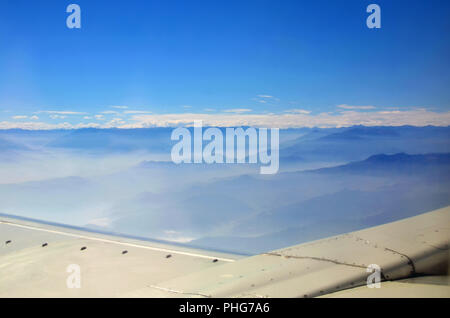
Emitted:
pixel 331 181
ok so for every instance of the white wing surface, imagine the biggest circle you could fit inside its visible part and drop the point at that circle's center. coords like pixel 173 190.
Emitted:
pixel 412 255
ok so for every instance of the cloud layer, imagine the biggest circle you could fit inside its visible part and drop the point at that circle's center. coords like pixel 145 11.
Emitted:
pixel 293 119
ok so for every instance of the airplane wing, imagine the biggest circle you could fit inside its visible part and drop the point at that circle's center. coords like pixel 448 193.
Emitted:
pixel 37 260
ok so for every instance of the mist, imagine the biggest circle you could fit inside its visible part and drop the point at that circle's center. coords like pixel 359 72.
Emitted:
pixel 330 181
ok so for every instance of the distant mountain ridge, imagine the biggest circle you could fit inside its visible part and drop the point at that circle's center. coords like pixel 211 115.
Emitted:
pixel 397 163
pixel 374 191
pixel 359 142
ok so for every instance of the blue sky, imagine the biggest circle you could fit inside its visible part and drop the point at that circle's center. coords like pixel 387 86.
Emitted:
pixel 253 62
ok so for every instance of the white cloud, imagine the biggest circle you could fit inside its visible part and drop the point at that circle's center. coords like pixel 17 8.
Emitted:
pixel 63 112
pixel 119 107
pixel 418 117
pixel 34 117
pixel 414 117
pixel 390 112
pixel 137 112
pixel 265 99
pixel 104 222
pixel 19 117
pixel 99 117
pixel 44 126
pixel 174 236
pixel 237 110
pixel 116 122
pixel 110 112
pixel 298 111
pixel 57 116
pixel 344 106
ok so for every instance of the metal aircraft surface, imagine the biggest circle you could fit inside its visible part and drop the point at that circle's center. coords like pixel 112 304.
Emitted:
pixel 39 260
